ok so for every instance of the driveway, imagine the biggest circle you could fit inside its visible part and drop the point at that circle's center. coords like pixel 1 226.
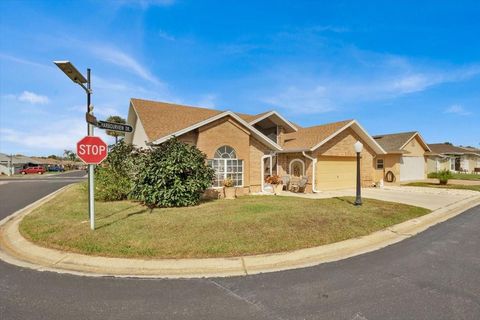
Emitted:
pixel 430 198
pixel 434 275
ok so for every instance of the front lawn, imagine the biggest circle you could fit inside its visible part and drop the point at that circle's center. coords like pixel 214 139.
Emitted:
pixel 220 228
pixel 447 186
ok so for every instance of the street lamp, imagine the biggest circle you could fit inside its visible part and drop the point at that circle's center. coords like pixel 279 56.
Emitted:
pixel 358 149
pixel 69 69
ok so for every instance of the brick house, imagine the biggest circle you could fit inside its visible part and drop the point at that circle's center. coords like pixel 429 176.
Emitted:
pixel 248 148
pixel 406 158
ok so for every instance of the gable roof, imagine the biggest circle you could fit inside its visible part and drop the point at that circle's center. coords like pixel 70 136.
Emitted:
pixel 311 138
pixel 444 148
pixel 395 142
pixel 160 118
pixel 307 138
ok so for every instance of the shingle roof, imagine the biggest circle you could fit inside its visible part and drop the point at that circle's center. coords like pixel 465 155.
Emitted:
pixel 160 119
pixel 447 148
pixel 306 138
pixel 395 141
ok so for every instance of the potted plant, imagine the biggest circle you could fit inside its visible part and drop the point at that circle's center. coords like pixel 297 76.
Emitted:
pixel 276 182
pixel 229 188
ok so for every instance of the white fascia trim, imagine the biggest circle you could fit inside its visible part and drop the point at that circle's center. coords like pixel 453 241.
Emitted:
pixel 369 138
pixel 314 170
pixel 257 133
pixel 278 115
pixel 421 139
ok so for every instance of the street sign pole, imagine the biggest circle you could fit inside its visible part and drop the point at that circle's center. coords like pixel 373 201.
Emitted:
pixel 91 167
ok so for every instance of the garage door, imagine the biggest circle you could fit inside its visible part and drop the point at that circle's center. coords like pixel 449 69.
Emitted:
pixel 336 173
pixel 412 168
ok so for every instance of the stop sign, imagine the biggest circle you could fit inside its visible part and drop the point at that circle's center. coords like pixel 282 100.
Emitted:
pixel 92 150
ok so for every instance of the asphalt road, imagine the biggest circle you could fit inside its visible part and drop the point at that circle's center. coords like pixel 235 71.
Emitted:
pixel 434 275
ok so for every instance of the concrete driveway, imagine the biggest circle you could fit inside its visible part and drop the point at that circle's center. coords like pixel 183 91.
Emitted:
pixel 430 198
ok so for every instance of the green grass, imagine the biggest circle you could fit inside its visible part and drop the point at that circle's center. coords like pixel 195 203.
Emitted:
pixel 220 228
pixel 447 186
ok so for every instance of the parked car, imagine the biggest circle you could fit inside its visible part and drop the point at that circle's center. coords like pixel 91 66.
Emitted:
pixel 37 169
pixel 55 169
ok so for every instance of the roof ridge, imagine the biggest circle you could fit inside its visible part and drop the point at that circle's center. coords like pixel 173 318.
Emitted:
pixel 328 123
pixel 179 105
pixel 393 134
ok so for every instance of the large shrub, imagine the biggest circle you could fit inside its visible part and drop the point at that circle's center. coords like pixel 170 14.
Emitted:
pixel 114 177
pixel 443 176
pixel 173 174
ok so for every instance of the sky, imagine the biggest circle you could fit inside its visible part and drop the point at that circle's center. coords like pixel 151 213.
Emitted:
pixel 394 66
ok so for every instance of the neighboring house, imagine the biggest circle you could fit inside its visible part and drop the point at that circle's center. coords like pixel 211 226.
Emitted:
pixel 248 148
pixel 12 164
pixel 454 158
pixel 406 156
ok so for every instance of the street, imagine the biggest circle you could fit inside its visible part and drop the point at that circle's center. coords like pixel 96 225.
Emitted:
pixel 434 275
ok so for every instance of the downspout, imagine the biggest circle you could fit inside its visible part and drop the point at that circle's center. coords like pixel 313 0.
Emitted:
pixel 263 170
pixel 314 169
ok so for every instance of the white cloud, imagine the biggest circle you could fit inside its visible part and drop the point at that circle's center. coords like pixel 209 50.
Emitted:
pixel 457 109
pixel 57 135
pixel 120 58
pixel 164 35
pixel 33 98
pixel 208 101
pixel 302 100
pixel 377 78
pixel 145 4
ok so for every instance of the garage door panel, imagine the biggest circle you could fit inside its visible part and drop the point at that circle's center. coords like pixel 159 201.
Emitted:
pixel 336 173
pixel 412 168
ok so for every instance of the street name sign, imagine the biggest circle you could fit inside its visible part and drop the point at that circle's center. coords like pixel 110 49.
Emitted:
pixel 92 150
pixel 114 126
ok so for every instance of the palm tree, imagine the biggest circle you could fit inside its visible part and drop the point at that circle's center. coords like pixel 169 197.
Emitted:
pixel 116 134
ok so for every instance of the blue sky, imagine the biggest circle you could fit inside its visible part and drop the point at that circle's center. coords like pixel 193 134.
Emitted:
pixel 392 65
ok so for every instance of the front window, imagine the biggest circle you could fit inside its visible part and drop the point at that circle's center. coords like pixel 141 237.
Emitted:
pixel 452 164
pixel 226 166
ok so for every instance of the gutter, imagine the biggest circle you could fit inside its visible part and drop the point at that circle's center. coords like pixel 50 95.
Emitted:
pixel 314 169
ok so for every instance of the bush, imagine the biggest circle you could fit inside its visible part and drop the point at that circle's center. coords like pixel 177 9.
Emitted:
pixel 432 175
pixel 113 178
pixel 275 179
pixel 443 176
pixel 173 174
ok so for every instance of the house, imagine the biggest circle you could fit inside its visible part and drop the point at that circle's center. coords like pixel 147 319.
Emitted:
pixel 406 157
pixel 453 158
pixel 12 164
pixel 248 148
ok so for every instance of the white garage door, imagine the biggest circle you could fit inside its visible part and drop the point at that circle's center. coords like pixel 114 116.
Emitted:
pixel 412 168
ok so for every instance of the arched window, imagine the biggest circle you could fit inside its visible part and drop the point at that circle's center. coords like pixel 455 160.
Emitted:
pixel 297 168
pixel 225 152
pixel 226 165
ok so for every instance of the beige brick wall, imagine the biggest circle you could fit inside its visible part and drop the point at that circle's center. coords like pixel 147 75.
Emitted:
pixel 391 162
pixel 414 148
pixel 284 160
pixel 343 145
pixel 257 150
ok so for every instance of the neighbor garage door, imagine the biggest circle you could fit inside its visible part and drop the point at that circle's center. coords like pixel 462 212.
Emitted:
pixel 335 173
pixel 412 168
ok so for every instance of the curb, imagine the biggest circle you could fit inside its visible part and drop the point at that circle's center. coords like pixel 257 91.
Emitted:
pixel 16 250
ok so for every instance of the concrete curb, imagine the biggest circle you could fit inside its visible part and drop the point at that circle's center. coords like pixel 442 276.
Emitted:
pixel 16 250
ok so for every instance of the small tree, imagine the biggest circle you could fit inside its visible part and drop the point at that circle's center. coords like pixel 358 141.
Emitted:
pixel 69 155
pixel 116 134
pixel 173 174
pixel 443 176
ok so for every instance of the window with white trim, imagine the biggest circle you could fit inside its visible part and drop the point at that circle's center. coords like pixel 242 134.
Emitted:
pixel 226 166
pixel 379 163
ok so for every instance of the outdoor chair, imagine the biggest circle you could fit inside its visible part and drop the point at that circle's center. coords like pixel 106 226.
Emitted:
pixel 299 186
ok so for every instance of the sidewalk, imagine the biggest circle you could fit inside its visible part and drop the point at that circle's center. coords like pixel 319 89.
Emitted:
pixel 17 250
